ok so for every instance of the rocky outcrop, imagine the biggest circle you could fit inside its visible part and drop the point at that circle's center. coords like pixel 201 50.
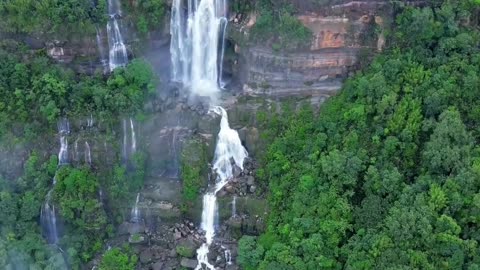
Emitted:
pixel 339 33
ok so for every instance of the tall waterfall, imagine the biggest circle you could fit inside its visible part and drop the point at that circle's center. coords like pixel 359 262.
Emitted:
pixel 118 56
pixel 229 152
pixel 198 30
pixel 48 214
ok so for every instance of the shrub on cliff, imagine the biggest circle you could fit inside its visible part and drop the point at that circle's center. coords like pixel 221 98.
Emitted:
pixel 277 25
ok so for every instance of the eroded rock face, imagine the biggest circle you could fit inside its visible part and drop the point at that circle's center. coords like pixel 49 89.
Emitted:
pixel 328 32
pixel 339 33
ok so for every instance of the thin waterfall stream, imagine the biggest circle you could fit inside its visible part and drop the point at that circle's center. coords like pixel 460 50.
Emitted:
pixel 229 152
pixel 48 214
pixel 118 56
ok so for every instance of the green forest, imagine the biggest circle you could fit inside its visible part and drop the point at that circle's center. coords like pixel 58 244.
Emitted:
pixel 385 175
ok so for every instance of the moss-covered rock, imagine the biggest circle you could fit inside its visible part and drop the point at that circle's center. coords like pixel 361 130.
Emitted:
pixel 194 171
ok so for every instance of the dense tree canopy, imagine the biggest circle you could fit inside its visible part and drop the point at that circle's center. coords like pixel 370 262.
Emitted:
pixel 386 177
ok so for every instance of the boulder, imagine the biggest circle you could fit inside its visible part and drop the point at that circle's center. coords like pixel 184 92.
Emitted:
pixel 189 263
pixel 186 248
pixel 157 266
pixel 250 180
pixel 146 256
pixel 136 239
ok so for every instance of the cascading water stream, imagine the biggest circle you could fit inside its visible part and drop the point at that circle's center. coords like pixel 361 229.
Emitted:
pixel 48 215
pixel 90 121
pixel 197 30
pixel 101 50
pixel 195 43
pixel 134 139
pixel 129 146
pixel 125 141
pixel 135 215
pixel 118 56
pixel 234 206
pixel 88 154
pixel 229 152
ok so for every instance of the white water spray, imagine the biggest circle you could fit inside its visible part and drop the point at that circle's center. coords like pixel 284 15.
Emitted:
pixel 229 150
pixel 196 36
pixel 118 56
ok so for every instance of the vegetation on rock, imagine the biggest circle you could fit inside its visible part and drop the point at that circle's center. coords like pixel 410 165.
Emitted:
pixel 194 166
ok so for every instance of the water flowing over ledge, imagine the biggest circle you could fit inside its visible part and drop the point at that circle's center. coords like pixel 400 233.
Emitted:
pixel 197 32
pixel 229 152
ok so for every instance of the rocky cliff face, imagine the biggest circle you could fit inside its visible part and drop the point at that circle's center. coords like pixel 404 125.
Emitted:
pixel 342 33
pixel 339 33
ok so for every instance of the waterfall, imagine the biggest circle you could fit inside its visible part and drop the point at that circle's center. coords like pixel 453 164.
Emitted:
pixel 48 220
pixel 88 154
pixel 118 56
pixel 90 121
pixel 125 141
pixel 195 44
pixel 134 139
pixel 129 146
pixel 75 150
pixel 221 83
pixel 101 50
pixel 228 256
pixel 64 130
pixel 234 206
pixel 229 149
pixel 48 215
pixel 135 215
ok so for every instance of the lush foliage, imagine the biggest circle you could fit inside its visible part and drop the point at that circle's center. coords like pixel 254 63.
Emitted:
pixel 387 176
pixel 76 192
pixel 21 244
pixel 193 171
pixel 118 259
pixel 148 15
pixel 35 91
pixel 52 16
pixel 277 25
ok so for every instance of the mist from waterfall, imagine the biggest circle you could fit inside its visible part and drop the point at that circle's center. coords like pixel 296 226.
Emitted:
pixel 229 152
pixel 118 56
pixel 197 31
pixel 48 214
